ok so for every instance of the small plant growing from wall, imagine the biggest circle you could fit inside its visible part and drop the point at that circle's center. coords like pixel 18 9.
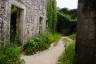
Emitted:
pixel 14 9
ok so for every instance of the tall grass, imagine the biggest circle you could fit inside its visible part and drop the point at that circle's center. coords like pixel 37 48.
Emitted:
pixel 10 54
pixel 73 36
pixel 68 57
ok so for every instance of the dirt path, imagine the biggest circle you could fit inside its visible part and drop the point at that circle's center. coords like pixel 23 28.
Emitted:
pixel 49 56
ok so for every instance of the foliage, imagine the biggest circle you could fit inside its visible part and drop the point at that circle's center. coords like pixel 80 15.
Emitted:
pixel 51 15
pixel 39 43
pixel 67 41
pixel 10 54
pixel 66 21
pixel 73 36
pixel 68 56
pixel 68 17
pixel 53 37
pixel 56 37
pixel 66 25
pixel 71 13
pixel 14 9
pixel 64 11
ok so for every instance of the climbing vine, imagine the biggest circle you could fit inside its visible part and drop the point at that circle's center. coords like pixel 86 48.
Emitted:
pixel 51 15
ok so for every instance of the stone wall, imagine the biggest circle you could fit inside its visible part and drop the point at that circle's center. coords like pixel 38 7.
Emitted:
pixel 32 10
pixel 86 35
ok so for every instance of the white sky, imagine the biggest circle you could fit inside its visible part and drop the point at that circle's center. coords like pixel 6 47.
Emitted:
pixel 70 4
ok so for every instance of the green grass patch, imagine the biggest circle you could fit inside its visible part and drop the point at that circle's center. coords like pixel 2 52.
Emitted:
pixel 68 57
pixel 73 36
pixel 56 37
pixel 67 41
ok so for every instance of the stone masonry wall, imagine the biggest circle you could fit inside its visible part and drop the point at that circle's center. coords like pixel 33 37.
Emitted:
pixel 32 10
pixel 86 35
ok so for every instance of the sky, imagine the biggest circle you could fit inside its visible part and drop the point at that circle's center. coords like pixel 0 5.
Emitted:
pixel 70 4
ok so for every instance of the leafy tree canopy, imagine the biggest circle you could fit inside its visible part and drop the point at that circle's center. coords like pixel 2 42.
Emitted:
pixel 72 13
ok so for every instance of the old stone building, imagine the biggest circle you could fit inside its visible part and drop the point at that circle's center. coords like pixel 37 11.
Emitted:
pixel 28 20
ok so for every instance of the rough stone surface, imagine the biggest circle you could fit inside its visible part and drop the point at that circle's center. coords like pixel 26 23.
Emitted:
pixel 86 36
pixel 32 10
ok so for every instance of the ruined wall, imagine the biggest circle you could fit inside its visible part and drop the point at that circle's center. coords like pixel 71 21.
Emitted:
pixel 32 10
pixel 86 35
pixel 3 21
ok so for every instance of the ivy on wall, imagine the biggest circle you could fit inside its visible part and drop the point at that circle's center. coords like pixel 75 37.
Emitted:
pixel 51 15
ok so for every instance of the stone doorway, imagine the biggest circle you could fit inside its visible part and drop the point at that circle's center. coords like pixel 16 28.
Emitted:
pixel 15 24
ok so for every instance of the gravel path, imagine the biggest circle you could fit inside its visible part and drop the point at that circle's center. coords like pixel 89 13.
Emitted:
pixel 49 56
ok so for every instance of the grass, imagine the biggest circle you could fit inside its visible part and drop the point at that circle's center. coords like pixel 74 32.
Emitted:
pixel 56 37
pixel 67 41
pixel 68 57
pixel 10 54
pixel 73 36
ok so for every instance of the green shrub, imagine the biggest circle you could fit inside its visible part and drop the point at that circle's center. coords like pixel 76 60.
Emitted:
pixel 67 41
pixel 50 37
pixel 10 55
pixel 30 47
pixel 56 38
pixel 73 36
pixel 68 56
pixel 39 43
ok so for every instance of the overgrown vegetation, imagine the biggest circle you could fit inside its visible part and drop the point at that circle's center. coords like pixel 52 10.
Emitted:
pixel 10 54
pixel 67 41
pixel 68 57
pixel 68 17
pixel 73 36
pixel 51 15
pixel 40 43
pixel 14 9
pixel 66 23
pixel 56 38
pixel 71 13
